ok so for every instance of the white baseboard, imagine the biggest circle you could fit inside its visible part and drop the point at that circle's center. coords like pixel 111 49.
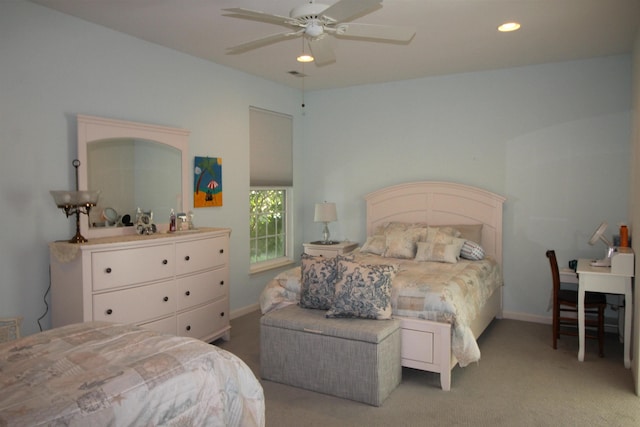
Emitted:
pixel 525 317
pixel 610 323
pixel 244 310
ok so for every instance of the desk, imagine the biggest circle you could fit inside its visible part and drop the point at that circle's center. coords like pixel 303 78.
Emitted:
pixel 601 279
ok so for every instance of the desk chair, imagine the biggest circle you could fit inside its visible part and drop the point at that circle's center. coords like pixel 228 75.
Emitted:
pixel 566 301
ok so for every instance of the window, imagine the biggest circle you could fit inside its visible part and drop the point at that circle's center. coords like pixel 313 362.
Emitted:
pixel 268 224
pixel 271 167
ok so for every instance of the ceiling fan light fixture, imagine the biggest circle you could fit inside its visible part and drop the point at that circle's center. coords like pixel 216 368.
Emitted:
pixel 305 58
pixel 314 29
pixel 508 27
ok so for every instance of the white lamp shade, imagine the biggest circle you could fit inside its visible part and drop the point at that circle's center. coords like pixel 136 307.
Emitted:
pixel 325 212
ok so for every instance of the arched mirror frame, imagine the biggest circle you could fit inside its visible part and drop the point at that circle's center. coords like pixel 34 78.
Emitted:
pixel 92 128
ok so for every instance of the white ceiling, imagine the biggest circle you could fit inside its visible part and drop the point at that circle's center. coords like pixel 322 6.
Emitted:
pixel 452 36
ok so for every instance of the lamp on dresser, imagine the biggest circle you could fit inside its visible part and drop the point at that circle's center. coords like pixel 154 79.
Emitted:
pixel 326 213
pixel 75 203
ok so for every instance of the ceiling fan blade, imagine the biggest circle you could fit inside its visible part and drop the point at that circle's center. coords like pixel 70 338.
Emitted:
pixel 263 41
pixel 322 50
pixel 373 31
pixel 345 10
pixel 238 12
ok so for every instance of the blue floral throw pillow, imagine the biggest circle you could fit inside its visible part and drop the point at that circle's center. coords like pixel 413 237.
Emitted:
pixel 317 286
pixel 362 290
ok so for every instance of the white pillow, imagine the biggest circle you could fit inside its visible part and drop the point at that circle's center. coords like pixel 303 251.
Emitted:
pixel 374 245
pixel 402 244
pixel 439 252
pixel 441 234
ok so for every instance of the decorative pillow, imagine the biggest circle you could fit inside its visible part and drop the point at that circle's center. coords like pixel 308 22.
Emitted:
pixel 363 291
pixel 471 232
pixel 440 252
pixel 317 285
pixel 441 234
pixel 472 250
pixel 402 244
pixel 374 245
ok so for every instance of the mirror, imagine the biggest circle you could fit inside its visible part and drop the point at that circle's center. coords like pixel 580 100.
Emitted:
pixel 134 165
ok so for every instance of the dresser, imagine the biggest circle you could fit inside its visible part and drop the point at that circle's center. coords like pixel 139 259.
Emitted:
pixel 174 283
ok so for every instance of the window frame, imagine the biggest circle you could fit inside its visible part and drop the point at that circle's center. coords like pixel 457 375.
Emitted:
pixel 257 267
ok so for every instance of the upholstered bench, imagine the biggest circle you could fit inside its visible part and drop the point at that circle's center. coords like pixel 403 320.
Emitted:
pixel 357 359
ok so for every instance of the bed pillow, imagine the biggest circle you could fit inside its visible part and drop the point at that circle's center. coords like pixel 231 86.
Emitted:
pixel 402 243
pixel 317 285
pixel 442 234
pixel 472 250
pixel 374 245
pixel 440 252
pixel 363 291
pixel 471 232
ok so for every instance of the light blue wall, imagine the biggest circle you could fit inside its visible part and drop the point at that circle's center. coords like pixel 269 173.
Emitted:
pixel 52 67
pixel 554 139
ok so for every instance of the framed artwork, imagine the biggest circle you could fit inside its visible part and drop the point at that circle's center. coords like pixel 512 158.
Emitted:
pixel 207 180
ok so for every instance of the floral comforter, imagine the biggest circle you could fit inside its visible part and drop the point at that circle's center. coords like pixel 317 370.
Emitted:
pixel 97 373
pixel 447 293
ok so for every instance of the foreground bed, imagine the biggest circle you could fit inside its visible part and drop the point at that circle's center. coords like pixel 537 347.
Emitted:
pixel 98 373
pixel 443 307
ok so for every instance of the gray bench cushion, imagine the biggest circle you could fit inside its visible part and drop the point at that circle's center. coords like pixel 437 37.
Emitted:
pixel 313 321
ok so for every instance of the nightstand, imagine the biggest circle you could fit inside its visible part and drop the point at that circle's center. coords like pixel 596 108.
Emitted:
pixel 329 251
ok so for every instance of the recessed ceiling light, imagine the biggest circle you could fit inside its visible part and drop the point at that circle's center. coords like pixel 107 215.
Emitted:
pixel 305 58
pixel 509 26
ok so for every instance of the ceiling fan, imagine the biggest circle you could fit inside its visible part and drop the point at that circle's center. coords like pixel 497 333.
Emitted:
pixel 315 21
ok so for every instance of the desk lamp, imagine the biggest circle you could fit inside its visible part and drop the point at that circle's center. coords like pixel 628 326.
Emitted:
pixel 325 212
pixel 599 235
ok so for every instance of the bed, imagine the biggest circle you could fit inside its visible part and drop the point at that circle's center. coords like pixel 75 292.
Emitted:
pixel 443 307
pixel 99 373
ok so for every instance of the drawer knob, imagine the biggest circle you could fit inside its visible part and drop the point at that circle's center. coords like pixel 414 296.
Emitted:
pixel 221 282
pixel 109 311
pixel 187 293
pixel 165 262
pixel 221 251
pixel 222 314
pixel 165 299
pixel 108 270
pixel 187 258
pixel 188 327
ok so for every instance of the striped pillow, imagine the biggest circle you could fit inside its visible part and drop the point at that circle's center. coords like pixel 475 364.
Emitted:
pixel 472 250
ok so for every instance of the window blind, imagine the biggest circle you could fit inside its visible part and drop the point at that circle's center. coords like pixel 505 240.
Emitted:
pixel 271 146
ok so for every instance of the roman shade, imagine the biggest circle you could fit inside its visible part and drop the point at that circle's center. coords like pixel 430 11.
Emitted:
pixel 271 146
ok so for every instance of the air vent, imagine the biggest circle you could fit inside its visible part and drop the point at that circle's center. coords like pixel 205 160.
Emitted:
pixel 296 73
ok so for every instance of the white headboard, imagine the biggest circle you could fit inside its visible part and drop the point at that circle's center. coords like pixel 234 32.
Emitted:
pixel 440 203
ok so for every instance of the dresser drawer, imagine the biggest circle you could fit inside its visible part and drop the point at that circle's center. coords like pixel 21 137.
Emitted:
pixel 205 320
pixel 203 287
pixel 111 269
pixel 201 254
pixel 137 304
pixel 164 326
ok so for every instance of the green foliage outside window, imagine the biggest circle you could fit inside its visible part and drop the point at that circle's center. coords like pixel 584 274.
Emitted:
pixel 267 229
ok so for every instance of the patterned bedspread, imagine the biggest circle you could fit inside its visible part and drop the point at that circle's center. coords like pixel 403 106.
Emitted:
pixel 451 293
pixel 98 373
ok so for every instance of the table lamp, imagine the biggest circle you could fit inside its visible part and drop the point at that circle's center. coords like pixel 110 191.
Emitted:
pixel 325 212
pixel 75 203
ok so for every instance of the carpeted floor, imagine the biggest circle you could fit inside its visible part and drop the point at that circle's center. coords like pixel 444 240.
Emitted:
pixel 520 381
